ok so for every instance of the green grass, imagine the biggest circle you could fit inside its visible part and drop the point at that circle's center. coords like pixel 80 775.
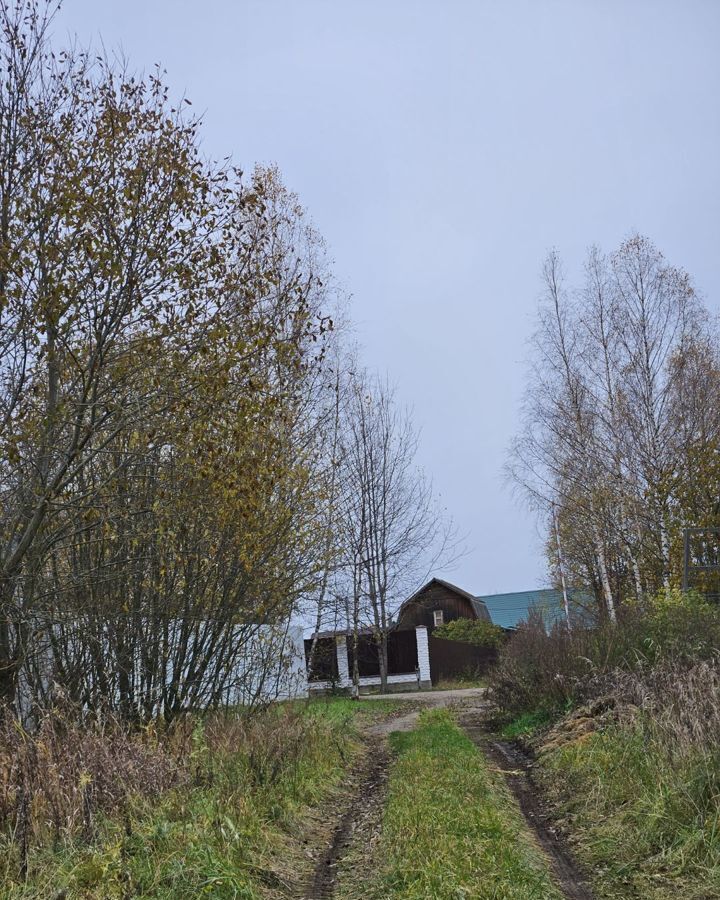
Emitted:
pixel 231 833
pixel 525 725
pixel 451 829
pixel 647 824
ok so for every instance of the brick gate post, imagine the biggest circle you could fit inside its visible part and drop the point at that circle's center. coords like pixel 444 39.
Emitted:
pixel 423 656
pixel 342 661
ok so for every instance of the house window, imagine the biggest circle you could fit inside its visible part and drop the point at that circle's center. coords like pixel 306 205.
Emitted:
pixel 438 617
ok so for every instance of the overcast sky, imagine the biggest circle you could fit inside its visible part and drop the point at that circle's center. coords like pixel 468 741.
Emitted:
pixel 441 149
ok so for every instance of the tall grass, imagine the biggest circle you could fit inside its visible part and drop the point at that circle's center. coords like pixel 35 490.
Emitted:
pixel 56 780
pixel 206 808
pixel 642 795
pixel 639 794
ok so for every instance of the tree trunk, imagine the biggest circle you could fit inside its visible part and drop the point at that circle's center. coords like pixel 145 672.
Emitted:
pixel 605 580
pixel 356 628
pixel 561 568
pixel 383 660
pixel 636 576
pixel 10 656
pixel 10 662
pixel 356 667
pixel 665 553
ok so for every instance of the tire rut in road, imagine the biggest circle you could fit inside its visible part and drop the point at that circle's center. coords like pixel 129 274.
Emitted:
pixel 516 769
pixel 361 816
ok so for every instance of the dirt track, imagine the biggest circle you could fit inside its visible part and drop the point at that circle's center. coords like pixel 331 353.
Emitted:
pixel 364 811
pixel 516 767
pixel 358 823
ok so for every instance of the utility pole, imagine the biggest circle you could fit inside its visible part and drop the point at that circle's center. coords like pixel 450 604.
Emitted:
pixel 561 566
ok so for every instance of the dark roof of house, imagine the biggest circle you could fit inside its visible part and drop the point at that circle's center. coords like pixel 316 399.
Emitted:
pixel 479 608
pixel 478 605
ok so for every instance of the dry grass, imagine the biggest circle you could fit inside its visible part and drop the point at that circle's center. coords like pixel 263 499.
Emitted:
pixel 209 804
pixel 641 794
pixel 57 779
pixel 633 772
pixel 679 702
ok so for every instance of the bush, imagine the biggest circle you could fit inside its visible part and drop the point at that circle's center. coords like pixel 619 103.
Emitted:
pixel 471 631
pixel 554 670
pixel 680 624
pixel 537 670
pixel 99 803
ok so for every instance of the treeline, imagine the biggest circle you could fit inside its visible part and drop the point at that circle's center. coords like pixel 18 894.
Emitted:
pixel 177 405
pixel 619 454
pixel 622 424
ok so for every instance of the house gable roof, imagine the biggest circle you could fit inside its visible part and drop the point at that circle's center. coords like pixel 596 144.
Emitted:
pixel 477 604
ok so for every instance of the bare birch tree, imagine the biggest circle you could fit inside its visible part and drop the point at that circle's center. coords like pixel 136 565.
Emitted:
pixel 396 532
pixel 619 366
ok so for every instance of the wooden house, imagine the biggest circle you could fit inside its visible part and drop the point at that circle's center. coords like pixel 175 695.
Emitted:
pixel 439 602
pixel 412 648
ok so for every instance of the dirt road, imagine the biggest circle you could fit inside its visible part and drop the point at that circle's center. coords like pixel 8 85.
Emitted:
pixel 359 821
pixel 517 769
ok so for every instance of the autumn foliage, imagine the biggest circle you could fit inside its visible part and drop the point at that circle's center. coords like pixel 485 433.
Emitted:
pixel 164 321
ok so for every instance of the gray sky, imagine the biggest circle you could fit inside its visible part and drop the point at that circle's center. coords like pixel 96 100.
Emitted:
pixel 442 148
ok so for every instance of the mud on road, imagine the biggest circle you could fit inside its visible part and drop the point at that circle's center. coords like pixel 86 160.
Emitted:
pixel 517 769
pixel 359 823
